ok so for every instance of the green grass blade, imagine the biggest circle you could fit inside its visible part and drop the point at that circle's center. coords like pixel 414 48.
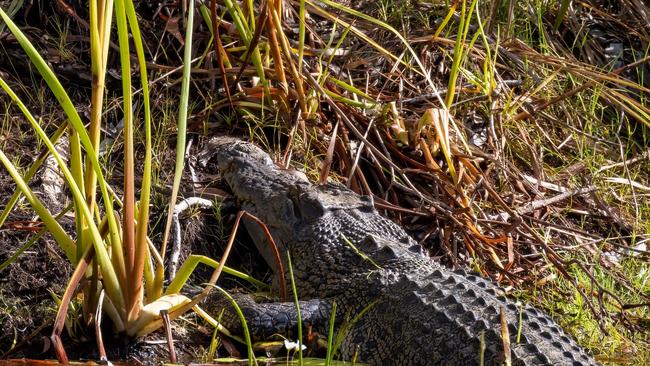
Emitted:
pixel 101 16
pixel 381 24
pixel 32 240
pixel 301 34
pixel 76 167
pixel 561 13
pixel 182 123
pixel 65 242
pixel 244 325
pixel 345 328
pixel 237 16
pixel 459 53
pixel 295 300
pixel 246 35
pixel 330 336
pixel 42 67
pixel 133 288
pixel 30 173
pixel 73 117
pixel 110 279
pixel 145 189
pixel 193 261
pixel 325 73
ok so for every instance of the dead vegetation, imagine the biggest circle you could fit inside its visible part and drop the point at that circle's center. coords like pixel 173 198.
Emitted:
pixel 509 136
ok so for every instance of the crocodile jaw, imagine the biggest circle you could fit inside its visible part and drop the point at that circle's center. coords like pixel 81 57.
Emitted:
pixel 283 199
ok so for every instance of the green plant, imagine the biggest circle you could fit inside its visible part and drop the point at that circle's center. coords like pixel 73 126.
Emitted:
pixel 295 301
pixel 116 256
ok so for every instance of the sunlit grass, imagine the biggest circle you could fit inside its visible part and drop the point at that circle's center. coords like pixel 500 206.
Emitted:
pixel 620 345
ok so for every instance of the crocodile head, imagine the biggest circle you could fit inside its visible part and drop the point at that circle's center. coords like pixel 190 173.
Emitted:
pixel 283 199
pixel 279 197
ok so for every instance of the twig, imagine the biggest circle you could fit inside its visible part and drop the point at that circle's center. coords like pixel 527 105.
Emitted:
pixel 59 322
pixel 259 27
pixel 357 156
pixel 25 340
pixel 327 162
pixel 219 50
pixel 175 250
pixel 164 314
pixel 276 253
pixel 505 336
pixel 644 156
pixel 70 11
pixel 217 272
pixel 552 255
pixel 98 328
pixel 535 205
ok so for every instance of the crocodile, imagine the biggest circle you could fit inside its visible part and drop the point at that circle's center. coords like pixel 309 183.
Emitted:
pixel 403 308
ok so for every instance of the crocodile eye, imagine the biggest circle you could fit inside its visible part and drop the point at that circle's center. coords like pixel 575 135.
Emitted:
pixel 415 248
pixel 306 206
pixel 367 199
pixel 368 204
pixel 310 210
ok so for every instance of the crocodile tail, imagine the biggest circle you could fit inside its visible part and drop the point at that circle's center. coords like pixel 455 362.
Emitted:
pixel 476 304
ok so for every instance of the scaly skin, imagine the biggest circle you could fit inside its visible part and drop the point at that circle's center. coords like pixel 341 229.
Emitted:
pixel 418 312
